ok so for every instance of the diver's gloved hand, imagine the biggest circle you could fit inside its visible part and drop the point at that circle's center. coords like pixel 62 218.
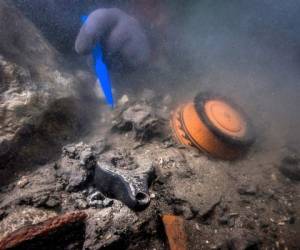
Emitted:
pixel 119 34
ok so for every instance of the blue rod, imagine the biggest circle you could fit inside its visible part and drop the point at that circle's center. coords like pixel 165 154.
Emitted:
pixel 101 71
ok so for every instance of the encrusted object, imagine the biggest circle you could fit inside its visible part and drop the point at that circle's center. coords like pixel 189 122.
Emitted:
pixel 127 185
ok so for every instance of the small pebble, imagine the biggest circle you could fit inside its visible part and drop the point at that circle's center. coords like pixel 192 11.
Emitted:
pixel 247 189
pixel 23 182
pixel 107 202
pixel 123 100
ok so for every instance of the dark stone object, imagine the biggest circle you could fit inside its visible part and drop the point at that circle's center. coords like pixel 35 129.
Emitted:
pixel 290 167
pixel 127 185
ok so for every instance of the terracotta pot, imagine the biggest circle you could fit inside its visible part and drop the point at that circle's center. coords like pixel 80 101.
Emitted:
pixel 214 125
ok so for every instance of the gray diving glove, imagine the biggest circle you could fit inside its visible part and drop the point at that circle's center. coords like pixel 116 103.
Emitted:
pixel 119 34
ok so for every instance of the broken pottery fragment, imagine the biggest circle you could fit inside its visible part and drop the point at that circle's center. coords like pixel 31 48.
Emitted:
pixel 67 229
pixel 21 217
pixel 175 231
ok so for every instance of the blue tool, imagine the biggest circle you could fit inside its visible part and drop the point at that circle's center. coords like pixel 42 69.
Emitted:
pixel 101 71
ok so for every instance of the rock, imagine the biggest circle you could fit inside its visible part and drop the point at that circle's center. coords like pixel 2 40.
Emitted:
pixel 81 204
pixel 70 151
pixel 38 95
pixel 96 204
pixel 96 196
pixel 290 167
pixel 140 119
pixel 123 100
pixel 23 182
pixel 224 220
pixel 264 223
pixel 75 178
pixel 117 226
pixel 121 159
pixel 3 214
pixel 148 95
pixel 167 100
pixel 76 166
pixel 67 229
pixel 86 156
pixel 99 146
pixel 96 200
pixel 182 177
pixel 247 189
pixel 21 217
pixel 152 196
pixel 185 210
pixel 80 201
pixel 52 202
pixel 107 202
pixel 243 240
pixel 39 192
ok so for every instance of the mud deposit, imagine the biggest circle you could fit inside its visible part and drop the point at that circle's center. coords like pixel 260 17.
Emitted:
pixel 247 204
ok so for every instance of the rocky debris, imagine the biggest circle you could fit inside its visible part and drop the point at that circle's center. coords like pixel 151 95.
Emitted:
pixel 38 192
pixel 80 201
pixel 140 119
pixel 123 100
pixel 117 227
pixel 89 198
pixel 188 184
pixel 126 182
pixel 99 146
pixel 193 188
pixel 290 167
pixel 3 214
pixel 167 100
pixel 23 182
pixel 82 152
pixel 95 199
pixel 41 198
pixel 67 230
pixel 75 168
pixel 148 95
pixel 224 217
pixel 121 159
pixel 228 220
pixel 98 200
pixel 184 208
pixel 37 95
pixel 21 217
pixel 242 240
pixel 107 202
pixel 247 189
